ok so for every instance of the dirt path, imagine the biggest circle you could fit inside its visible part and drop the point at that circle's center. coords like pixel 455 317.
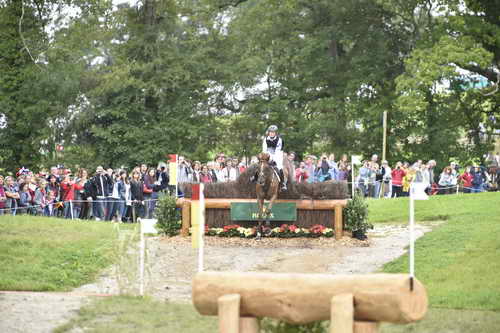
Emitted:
pixel 172 263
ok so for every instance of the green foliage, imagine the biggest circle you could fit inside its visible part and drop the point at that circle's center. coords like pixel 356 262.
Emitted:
pixel 356 215
pixel 122 86
pixel 169 219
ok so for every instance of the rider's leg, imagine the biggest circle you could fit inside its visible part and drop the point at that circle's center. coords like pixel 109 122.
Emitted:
pixel 283 180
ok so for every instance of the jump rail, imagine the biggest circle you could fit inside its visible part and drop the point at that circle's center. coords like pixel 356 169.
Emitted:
pixel 353 303
pixel 335 205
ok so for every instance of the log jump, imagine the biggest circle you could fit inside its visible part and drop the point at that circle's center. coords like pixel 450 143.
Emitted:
pixel 336 206
pixel 353 303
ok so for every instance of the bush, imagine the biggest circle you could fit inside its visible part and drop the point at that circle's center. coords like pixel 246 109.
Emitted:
pixel 356 216
pixel 169 217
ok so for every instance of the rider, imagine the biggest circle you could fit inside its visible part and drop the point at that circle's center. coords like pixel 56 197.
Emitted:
pixel 273 145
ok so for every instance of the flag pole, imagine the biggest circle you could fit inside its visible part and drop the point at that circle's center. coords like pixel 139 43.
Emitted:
pixel 412 237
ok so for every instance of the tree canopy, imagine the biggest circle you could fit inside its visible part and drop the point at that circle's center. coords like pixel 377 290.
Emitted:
pixel 122 84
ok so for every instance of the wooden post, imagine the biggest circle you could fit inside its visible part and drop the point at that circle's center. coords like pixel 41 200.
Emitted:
pixel 342 314
pixel 228 311
pixel 249 325
pixel 365 327
pixel 186 217
pixel 338 227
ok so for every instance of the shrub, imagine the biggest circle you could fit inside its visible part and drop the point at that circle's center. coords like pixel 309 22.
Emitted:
pixel 356 216
pixel 169 217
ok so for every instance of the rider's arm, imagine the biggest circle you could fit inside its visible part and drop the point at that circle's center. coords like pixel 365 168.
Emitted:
pixel 279 146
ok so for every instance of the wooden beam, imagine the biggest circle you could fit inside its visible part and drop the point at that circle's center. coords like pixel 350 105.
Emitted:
pixel 342 314
pixel 186 217
pixel 306 298
pixel 228 308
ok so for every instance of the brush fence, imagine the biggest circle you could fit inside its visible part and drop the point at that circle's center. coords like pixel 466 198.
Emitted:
pixel 309 213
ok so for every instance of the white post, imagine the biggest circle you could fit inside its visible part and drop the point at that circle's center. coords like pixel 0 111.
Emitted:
pixel 457 188
pixel 71 207
pixel 141 260
pixel 412 236
pixel 202 228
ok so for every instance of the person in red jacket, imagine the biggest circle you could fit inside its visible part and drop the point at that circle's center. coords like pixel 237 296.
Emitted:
pixel 301 174
pixel 68 188
pixel 397 180
pixel 466 180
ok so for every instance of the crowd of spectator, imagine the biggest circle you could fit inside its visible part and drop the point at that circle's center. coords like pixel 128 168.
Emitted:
pixel 124 196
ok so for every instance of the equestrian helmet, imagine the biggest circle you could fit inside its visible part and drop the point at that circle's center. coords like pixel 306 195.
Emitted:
pixel 272 128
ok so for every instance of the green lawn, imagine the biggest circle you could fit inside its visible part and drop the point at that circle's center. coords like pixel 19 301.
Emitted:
pixel 124 314
pixel 48 254
pixel 458 262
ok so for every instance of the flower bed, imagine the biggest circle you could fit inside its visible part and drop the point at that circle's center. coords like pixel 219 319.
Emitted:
pixel 284 231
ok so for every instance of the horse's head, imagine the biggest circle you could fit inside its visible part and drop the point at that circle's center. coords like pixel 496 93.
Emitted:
pixel 263 164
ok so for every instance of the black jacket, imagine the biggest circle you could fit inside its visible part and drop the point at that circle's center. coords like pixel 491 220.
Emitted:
pixel 98 184
pixel 136 190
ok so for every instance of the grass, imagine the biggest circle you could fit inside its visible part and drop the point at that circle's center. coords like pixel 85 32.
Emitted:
pixel 124 314
pixel 48 254
pixel 459 262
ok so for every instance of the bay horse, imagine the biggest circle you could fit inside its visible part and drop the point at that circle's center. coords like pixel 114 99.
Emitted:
pixel 267 188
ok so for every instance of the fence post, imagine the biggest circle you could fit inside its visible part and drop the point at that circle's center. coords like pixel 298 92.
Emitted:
pixel 338 223
pixel 342 314
pixel 186 217
pixel 229 313
pixel 71 208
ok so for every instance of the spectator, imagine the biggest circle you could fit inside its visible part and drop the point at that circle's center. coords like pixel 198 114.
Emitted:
pixel 68 189
pixel 477 180
pixel 99 192
pixel 364 178
pixel 333 167
pixel 205 176
pixel 184 171
pixel 322 173
pixel 375 179
pixel 113 200
pixel 291 165
pixel 144 171
pixel 397 180
pixel 41 197
pixel 342 175
pixel 466 180
pixel 445 181
pixel 12 195
pixel 301 174
pixel 3 198
pixel 231 171
pixel 137 195
pixel 220 172
pixel 24 199
pixel 196 172
pixel 386 173
pixel 125 193
pixel 150 192
pixel 310 168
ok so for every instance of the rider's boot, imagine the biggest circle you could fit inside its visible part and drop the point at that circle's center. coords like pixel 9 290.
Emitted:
pixel 283 181
pixel 254 178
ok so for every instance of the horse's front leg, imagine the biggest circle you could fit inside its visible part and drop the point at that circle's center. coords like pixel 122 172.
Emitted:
pixel 269 211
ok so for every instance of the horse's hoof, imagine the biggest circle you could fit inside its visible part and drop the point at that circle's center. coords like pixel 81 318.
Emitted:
pixel 258 237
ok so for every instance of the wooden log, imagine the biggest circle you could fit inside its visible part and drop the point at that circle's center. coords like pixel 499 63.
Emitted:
pixel 339 224
pixel 301 204
pixel 365 327
pixel 305 298
pixel 249 325
pixel 342 314
pixel 228 308
pixel 186 217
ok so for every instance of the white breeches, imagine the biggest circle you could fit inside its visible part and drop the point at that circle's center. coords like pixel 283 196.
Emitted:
pixel 278 158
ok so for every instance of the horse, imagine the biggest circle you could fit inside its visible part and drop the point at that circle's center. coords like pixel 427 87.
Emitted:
pixel 267 188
